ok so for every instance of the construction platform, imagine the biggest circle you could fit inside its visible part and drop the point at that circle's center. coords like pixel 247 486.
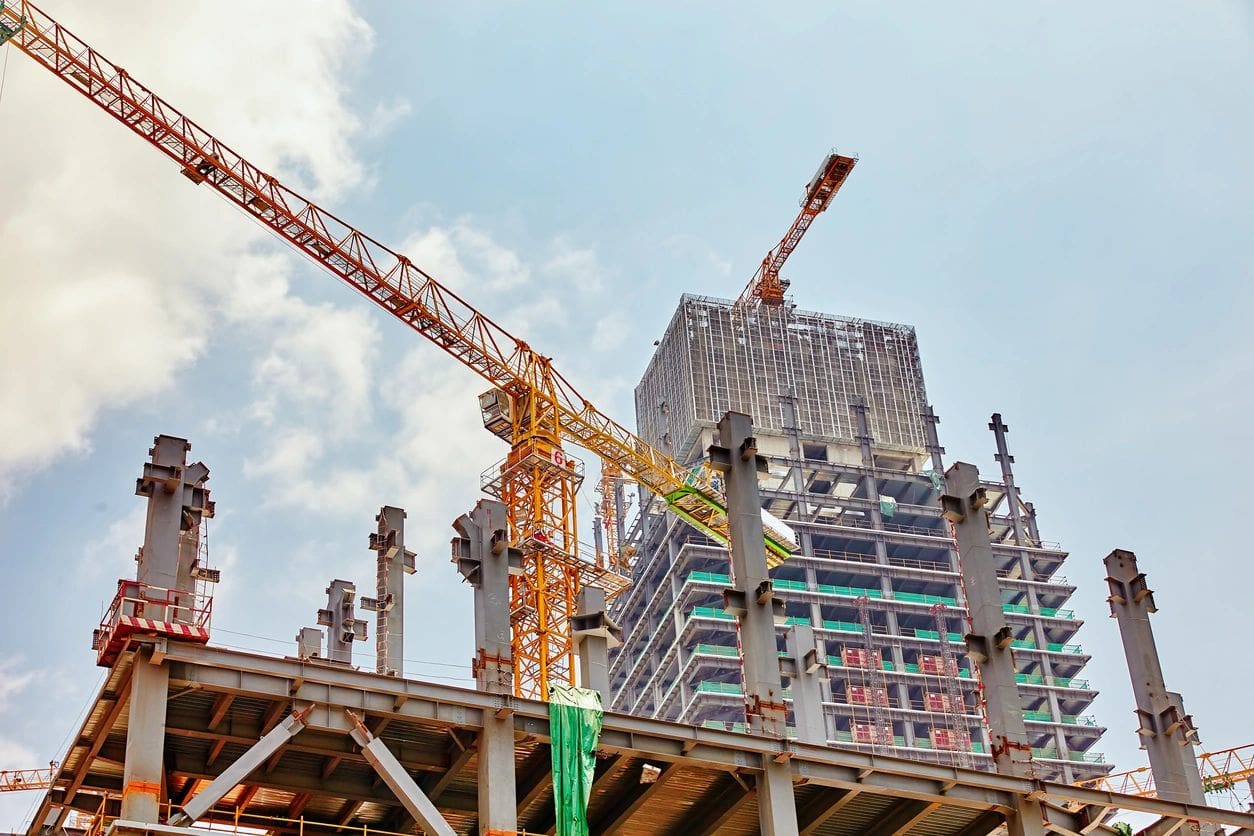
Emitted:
pixel 221 702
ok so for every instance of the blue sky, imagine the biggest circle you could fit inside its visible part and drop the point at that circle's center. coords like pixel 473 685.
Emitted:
pixel 1058 199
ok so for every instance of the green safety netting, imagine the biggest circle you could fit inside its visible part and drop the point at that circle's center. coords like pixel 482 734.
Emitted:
pixel 574 728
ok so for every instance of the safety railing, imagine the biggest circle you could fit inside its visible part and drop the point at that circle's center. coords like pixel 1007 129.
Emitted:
pixel 140 608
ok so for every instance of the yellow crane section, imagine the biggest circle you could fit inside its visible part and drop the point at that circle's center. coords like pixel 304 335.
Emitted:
pixel 535 408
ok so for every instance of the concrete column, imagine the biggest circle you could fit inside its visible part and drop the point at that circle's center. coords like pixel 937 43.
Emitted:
pixel 1007 476
pixel 751 599
pixel 1167 732
pixel 988 644
pixel 394 562
pixel 143 771
pixel 594 633
pixel 806 667
pixel 340 619
pixel 483 557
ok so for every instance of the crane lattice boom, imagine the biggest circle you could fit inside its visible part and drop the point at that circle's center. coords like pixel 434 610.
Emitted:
pixel 1221 771
pixel 394 283
pixel 388 278
pixel 766 286
pixel 14 780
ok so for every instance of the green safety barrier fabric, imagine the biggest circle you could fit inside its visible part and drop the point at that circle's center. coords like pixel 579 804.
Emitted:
pixel 574 729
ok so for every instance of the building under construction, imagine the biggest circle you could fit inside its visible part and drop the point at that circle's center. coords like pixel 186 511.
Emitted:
pixel 183 734
pixel 841 415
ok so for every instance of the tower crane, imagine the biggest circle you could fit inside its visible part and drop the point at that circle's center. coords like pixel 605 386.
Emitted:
pixel 766 287
pixel 531 404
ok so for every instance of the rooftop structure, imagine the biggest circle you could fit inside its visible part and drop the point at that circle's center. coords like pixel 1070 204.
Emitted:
pixel 853 465
pixel 183 733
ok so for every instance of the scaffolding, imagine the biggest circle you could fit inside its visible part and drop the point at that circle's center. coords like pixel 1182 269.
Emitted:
pixel 712 359
pixel 864 500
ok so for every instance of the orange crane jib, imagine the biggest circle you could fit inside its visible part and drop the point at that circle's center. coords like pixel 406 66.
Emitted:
pixel 550 408
pixel 1222 771
pixel 766 287
pixel 16 780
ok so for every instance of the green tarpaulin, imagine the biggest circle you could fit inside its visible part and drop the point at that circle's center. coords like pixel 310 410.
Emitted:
pixel 574 728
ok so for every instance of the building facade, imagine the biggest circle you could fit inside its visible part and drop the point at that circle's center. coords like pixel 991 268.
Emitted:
pixel 840 411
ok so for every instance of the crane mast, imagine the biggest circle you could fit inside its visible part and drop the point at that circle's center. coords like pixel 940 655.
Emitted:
pixel 766 287
pixel 543 408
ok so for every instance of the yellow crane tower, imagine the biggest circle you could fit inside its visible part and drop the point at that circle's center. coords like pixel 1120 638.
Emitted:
pixel 530 404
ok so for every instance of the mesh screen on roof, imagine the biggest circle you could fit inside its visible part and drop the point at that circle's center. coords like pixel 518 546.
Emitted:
pixel 712 360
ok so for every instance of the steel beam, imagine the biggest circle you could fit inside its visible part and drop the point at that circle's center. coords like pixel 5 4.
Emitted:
pixel 717 807
pixel 394 562
pixel 246 674
pixel 408 793
pixel 144 767
pixel 805 664
pixel 751 599
pixel 340 619
pixel 239 770
pixel 822 807
pixel 1167 732
pixel 615 820
pixel 482 554
pixel 594 633
pixel 1013 503
pixel 988 643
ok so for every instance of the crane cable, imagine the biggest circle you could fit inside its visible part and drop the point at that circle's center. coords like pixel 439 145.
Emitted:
pixel 4 73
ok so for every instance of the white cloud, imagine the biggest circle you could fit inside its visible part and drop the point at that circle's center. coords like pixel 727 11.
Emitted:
pixel 14 678
pixel 699 255
pixel 610 333
pixel 578 266
pixel 115 267
pixel 461 256
pixel 320 361
pixel 113 554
